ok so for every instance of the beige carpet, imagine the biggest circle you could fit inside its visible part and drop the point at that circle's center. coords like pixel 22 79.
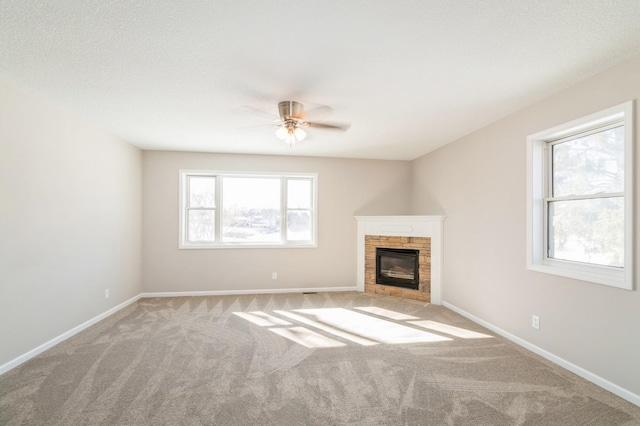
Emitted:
pixel 293 359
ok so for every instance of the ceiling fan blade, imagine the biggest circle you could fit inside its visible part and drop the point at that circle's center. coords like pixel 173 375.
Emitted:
pixel 318 112
pixel 258 126
pixel 341 126
pixel 256 112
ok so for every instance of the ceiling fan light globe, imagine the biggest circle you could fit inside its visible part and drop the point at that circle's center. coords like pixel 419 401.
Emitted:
pixel 281 133
pixel 299 133
pixel 290 138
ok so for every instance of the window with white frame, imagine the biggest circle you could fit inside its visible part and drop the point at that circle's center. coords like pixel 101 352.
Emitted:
pixel 228 209
pixel 580 205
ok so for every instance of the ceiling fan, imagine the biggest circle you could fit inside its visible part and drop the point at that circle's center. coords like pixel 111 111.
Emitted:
pixel 291 125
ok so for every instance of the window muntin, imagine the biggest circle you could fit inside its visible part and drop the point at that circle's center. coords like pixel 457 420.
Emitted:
pixel 580 198
pixel 227 209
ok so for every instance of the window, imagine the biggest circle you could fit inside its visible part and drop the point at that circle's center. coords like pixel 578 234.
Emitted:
pixel 225 209
pixel 580 206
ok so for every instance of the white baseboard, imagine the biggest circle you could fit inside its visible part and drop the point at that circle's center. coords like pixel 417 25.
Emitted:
pixel 64 336
pixel 593 378
pixel 243 292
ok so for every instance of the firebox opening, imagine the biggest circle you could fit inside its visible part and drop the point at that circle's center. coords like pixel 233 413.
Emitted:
pixel 397 267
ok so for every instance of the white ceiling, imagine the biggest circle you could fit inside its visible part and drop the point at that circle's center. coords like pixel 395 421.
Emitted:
pixel 408 75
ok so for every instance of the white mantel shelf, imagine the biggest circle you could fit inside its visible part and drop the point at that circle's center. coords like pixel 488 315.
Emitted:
pixel 405 226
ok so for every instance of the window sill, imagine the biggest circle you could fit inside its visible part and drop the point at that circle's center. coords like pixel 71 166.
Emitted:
pixel 594 274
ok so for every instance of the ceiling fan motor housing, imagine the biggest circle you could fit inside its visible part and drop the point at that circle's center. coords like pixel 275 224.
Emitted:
pixel 290 109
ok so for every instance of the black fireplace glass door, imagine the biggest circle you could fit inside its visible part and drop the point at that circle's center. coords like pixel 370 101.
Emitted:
pixel 397 267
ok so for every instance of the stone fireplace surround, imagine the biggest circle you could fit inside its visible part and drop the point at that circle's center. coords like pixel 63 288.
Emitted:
pixel 404 226
pixel 423 244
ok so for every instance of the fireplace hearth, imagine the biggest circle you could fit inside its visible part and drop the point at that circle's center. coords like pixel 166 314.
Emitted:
pixel 398 267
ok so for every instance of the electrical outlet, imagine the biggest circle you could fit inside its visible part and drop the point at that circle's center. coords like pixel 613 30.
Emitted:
pixel 274 276
pixel 106 293
pixel 535 322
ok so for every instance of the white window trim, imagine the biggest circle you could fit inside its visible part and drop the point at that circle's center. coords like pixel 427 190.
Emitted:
pixel 536 261
pixel 183 242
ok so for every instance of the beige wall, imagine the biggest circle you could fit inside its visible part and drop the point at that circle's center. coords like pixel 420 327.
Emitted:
pixel 70 227
pixel 345 188
pixel 479 183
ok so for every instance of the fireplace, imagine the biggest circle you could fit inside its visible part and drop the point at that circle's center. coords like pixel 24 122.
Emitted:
pixel 423 233
pixel 398 267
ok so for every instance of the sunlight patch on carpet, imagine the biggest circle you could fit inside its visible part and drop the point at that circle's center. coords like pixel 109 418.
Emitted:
pixel 262 319
pixel 450 329
pixel 307 338
pixel 386 313
pixel 371 328
pixel 336 332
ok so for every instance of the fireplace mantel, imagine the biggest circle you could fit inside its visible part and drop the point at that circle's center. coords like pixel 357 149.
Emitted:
pixel 404 226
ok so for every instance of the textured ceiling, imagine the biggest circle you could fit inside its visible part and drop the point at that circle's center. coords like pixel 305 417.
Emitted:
pixel 409 76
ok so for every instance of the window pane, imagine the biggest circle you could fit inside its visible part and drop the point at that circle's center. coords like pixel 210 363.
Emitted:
pixel 589 164
pixel 299 226
pixel 202 225
pixel 590 231
pixel 202 191
pixel 251 210
pixel 299 194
